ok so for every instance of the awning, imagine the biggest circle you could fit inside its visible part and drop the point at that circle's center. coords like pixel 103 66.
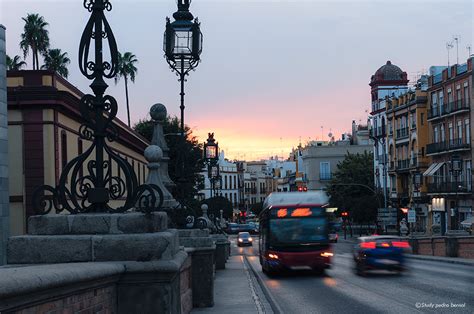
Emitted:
pixel 468 222
pixel 432 169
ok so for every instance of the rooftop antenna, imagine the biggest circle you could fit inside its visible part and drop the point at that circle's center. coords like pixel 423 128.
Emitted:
pixel 449 46
pixel 468 47
pixel 457 38
pixel 322 131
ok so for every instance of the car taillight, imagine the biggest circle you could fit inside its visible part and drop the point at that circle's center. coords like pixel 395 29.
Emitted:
pixel 367 245
pixel 327 254
pixel 385 244
pixel 401 244
pixel 273 256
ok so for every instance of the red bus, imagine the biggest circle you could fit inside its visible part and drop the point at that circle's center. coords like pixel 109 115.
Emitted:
pixel 294 232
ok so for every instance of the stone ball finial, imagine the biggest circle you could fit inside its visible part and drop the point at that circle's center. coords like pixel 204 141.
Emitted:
pixel 153 153
pixel 158 112
pixel 204 207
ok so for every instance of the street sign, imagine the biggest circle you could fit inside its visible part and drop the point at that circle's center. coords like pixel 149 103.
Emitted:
pixel 411 215
pixel 387 216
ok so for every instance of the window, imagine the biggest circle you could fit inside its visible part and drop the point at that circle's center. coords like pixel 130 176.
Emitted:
pixel 459 135
pixel 441 98
pixel 225 184
pixel 451 131
pixel 324 171
pixel 435 135
pixel 422 117
pixel 63 149
pixel 230 197
pixel 466 95
pixel 235 182
pixel 467 129
pixel 443 134
pixel 450 96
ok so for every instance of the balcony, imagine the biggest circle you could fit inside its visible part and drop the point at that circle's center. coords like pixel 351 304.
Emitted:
pixel 403 164
pixel 402 133
pixel 433 112
pixel 455 106
pixel 450 187
pixel 445 146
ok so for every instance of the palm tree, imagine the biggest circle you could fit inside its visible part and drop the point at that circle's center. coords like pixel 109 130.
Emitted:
pixel 35 36
pixel 56 61
pixel 15 64
pixel 126 69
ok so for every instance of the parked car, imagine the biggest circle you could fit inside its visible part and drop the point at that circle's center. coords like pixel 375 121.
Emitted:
pixel 380 253
pixel 244 238
pixel 232 228
pixel 333 237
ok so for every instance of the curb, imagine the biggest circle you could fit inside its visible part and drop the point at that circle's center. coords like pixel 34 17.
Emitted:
pixel 271 300
pixel 437 259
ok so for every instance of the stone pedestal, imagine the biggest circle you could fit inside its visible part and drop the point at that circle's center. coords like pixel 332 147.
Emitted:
pixel 152 259
pixel 221 253
pixel 201 247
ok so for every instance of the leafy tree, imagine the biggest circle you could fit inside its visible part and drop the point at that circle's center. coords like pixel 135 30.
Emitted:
pixel 126 69
pixel 56 61
pixel 15 64
pixel 215 204
pixel 35 37
pixel 186 162
pixel 257 208
pixel 352 188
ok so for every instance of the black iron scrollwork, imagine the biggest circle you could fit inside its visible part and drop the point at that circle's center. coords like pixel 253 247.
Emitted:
pixel 88 182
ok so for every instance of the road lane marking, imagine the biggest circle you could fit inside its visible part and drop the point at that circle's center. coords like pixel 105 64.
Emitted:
pixel 255 297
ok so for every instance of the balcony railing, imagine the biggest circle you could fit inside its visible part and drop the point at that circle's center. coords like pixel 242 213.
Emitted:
pixel 433 112
pixel 403 164
pixel 457 143
pixel 402 133
pixel 450 187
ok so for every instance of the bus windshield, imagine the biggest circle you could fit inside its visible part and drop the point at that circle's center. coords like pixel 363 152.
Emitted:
pixel 298 230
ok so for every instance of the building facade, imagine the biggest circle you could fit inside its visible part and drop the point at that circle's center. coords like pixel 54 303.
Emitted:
pixel 320 158
pixel 388 81
pixel 43 124
pixel 407 138
pixel 450 97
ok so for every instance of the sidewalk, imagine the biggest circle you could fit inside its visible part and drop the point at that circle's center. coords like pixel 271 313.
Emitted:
pixel 236 291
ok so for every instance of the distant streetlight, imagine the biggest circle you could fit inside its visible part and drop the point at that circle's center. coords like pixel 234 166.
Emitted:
pixel 211 151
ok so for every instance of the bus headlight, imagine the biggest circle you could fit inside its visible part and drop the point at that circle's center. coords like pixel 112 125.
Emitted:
pixel 327 254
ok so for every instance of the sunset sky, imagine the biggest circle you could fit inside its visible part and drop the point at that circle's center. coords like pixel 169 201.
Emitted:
pixel 272 72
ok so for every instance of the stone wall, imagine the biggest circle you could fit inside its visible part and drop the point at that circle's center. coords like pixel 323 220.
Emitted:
pixel 4 196
pixel 461 246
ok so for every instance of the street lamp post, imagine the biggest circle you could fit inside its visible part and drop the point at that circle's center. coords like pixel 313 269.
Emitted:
pixel 182 46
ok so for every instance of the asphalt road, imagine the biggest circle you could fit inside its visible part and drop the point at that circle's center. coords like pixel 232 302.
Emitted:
pixel 428 287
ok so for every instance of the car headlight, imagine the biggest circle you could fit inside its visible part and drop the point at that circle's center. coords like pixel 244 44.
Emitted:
pixel 240 240
pixel 250 239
